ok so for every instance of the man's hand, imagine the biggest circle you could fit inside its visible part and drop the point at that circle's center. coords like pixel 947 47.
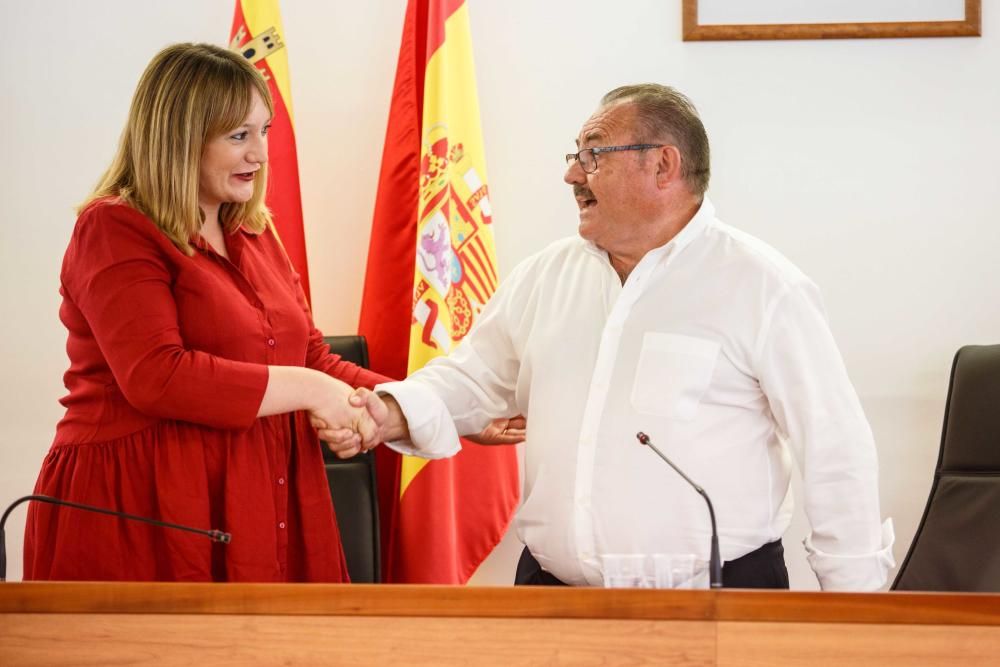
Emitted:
pixel 501 432
pixel 373 403
pixel 351 422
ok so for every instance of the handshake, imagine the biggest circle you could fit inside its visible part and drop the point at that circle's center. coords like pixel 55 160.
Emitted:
pixel 357 421
pixel 352 421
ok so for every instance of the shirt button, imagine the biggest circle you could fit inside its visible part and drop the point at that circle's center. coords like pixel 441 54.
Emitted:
pixel 270 341
pixel 281 481
pixel 281 524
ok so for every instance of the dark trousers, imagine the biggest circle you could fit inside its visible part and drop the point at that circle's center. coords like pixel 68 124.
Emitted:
pixel 761 568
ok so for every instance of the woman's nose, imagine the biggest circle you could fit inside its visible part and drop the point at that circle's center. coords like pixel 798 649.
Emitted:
pixel 258 151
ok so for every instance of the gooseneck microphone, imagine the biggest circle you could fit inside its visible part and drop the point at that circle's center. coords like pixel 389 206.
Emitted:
pixel 214 535
pixel 715 560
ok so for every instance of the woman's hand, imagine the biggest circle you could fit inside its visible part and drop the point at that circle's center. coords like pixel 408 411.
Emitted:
pixel 384 412
pixel 349 424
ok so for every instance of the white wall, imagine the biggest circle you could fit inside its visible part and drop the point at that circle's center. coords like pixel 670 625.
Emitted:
pixel 867 162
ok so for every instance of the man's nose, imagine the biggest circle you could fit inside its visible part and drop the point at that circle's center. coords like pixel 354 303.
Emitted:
pixel 574 173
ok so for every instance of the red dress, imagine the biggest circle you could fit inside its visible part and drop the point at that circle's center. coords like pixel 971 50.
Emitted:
pixel 168 366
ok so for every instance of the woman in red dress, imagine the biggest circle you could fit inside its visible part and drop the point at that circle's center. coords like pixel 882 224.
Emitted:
pixel 194 362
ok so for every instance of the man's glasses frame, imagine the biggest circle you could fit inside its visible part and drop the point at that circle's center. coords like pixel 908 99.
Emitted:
pixel 588 156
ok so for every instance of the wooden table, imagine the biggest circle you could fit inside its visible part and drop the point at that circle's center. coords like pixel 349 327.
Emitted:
pixel 319 624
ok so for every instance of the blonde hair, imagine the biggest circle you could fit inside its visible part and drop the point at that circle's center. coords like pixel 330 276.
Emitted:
pixel 188 95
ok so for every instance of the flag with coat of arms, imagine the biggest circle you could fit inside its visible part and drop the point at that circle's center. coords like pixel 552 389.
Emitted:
pixel 431 269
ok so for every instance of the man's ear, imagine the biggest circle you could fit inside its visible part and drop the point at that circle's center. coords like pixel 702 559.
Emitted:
pixel 668 166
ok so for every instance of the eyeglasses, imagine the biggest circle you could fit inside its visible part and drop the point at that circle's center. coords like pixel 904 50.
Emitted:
pixel 588 156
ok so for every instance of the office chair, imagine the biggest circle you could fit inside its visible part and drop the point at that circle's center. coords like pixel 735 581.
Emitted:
pixel 957 544
pixel 353 487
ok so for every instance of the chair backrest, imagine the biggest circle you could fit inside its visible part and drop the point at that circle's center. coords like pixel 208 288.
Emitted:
pixel 353 489
pixel 957 544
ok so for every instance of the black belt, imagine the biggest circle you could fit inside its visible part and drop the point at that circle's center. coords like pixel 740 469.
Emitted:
pixel 761 568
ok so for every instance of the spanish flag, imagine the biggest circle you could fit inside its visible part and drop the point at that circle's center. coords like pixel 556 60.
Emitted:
pixel 257 34
pixel 431 268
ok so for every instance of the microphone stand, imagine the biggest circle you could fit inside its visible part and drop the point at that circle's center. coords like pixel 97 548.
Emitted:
pixel 715 560
pixel 214 535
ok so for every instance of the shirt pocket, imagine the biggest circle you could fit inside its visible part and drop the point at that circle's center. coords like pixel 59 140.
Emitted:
pixel 672 375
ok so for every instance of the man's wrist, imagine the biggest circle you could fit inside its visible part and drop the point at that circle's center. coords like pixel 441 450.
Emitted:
pixel 395 426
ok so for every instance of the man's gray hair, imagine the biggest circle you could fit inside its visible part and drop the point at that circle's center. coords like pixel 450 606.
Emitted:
pixel 665 113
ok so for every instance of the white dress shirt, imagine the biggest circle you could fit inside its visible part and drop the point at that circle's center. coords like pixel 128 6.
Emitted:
pixel 718 348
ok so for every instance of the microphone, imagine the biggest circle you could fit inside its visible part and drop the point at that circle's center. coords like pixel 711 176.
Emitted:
pixel 715 561
pixel 214 535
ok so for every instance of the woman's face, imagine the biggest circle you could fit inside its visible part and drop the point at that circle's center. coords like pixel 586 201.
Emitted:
pixel 233 160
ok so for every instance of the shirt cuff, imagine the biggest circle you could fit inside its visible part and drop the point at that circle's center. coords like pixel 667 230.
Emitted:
pixel 864 572
pixel 432 431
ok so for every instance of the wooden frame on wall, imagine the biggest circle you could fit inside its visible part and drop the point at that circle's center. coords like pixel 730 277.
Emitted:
pixel 970 26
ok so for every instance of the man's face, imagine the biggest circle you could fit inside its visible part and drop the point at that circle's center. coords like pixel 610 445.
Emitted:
pixel 617 198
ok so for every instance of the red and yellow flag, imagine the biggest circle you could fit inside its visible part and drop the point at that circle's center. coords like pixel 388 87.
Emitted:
pixel 431 268
pixel 257 34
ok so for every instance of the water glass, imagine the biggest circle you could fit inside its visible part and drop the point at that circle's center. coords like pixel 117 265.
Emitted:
pixel 675 571
pixel 624 570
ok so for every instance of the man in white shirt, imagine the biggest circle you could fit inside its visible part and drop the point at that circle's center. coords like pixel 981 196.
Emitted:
pixel 659 318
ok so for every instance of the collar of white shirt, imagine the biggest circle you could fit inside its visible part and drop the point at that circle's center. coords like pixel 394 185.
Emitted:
pixel 691 231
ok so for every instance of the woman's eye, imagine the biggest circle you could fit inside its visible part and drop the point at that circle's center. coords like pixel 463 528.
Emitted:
pixel 240 136
pixel 266 129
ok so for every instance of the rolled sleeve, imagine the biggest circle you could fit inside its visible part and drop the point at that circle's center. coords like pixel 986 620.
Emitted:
pixel 861 572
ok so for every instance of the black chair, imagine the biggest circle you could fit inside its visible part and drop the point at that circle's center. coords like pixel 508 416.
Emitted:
pixel 957 544
pixel 352 486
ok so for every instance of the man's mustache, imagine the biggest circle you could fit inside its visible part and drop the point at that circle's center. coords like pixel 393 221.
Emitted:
pixel 581 192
